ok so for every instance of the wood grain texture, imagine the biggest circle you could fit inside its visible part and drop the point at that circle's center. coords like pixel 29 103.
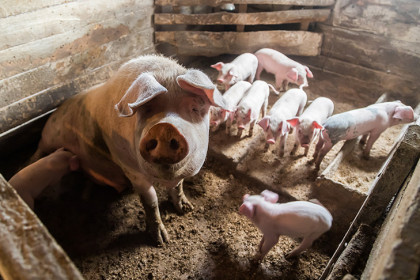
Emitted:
pixel 27 250
pixel 224 18
pixel 215 3
pixel 214 43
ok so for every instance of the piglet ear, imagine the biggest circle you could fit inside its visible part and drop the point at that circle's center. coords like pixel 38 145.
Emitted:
pixel 264 123
pixel 142 90
pixel 404 113
pixel 197 82
pixel 294 122
pixel 218 66
pixel 247 209
pixel 308 72
pixel 270 196
pixel 293 75
pixel 284 127
pixel 315 124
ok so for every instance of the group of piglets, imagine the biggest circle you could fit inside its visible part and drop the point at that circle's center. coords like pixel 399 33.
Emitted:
pixel 245 98
pixel 245 102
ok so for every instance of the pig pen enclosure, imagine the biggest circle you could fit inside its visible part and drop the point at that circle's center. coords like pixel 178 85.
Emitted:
pixel 360 52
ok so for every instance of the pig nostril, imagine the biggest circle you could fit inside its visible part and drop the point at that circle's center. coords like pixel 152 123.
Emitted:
pixel 151 145
pixel 174 144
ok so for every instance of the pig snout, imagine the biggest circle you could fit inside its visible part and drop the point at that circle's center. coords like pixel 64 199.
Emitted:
pixel 271 141
pixel 163 144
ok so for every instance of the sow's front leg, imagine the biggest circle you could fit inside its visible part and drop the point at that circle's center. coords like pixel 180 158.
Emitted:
pixel 154 225
pixel 179 200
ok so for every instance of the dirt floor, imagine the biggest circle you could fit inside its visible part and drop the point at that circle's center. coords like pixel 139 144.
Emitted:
pixel 104 232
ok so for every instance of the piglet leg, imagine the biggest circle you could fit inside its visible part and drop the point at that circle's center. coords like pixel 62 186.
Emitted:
pixel 372 138
pixel 306 243
pixel 179 199
pixel 267 242
pixel 282 144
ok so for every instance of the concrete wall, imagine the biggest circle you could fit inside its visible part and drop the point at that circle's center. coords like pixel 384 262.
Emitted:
pixel 52 49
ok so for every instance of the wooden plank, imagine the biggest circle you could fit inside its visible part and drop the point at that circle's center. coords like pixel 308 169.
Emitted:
pixel 224 18
pixel 400 86
pixel 27 250
pixel 16 7
pixel 73 65
pixel 215 3
pixel 396 252
pixel 25 109
pixel 43 23
pixel 19 59
pixel 393 173
pixel 216 43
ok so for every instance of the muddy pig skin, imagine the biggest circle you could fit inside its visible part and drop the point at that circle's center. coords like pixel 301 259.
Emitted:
pixel 310 122
pixel 275 125
pixel 296 219
pixel 240 69
pixel 232 98
pixel 249 109
pixel 31 180
pixel 148 124
pixel 284 69
pixel 369 121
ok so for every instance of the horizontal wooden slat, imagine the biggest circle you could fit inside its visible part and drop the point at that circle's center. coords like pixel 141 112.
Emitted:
pixel 27 249
pixel 224 18
pixel 16 7
pixel 74 65
pixel 216 43
pixel 43 23
pixel 215 3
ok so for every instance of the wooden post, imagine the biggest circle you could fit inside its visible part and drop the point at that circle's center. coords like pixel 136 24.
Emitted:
pixel 242 9
pixel 27 250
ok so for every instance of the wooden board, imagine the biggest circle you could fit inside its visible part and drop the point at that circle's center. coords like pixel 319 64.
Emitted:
pixel 215 3
pixel 205 43
pixel 53 49
pixel 27 250
pixel 224 18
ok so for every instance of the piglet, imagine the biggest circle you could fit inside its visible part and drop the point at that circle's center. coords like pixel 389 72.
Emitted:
pixel 297 219
pixel 248 110
pixel 369 121
pixel 31 180
pixel 241 68
pixel 232 97
pixel 275 125
pixel 285 69
pixel 310 122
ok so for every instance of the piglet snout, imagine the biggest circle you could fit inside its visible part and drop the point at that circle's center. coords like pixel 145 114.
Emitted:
pixel 163 144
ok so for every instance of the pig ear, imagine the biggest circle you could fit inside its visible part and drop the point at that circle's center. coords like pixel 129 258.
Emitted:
pixel 293 74
pixel 142 90
pixel 197 82
pixel 308 72
pixel 315 124
pixel 247 209
pixel 270 196
pixel 284 127
pixel 264 123
pixel 294 122
pixel 403 113
pixel 218 66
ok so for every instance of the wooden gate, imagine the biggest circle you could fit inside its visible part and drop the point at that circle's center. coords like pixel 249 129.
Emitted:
pixel 255 24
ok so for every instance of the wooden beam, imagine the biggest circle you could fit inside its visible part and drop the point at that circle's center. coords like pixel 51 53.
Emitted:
pixel 214 3
pixel 215 43
pixel 27 250
pixel 224 18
